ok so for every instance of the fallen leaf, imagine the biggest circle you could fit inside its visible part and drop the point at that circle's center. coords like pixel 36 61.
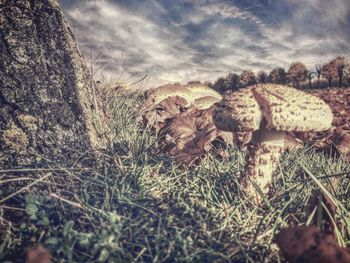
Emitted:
pixel 190 135
pixel 292 143
pixel 156 116
pixel 307 244
pixel 343 144
pixel 38 254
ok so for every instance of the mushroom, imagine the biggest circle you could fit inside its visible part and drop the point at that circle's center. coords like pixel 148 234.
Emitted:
pixel 206 102
pixel 166 91
pixel 200 90
pixel 269 110
pixel 190 92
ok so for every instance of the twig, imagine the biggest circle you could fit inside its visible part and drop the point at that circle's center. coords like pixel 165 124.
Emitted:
pixel 75 204
pixel 24 188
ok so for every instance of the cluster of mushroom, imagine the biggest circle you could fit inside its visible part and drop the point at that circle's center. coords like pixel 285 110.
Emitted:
pixel 167 101
pixel 269 110
pixel 182 117
pixel 197 94
pixel 265 110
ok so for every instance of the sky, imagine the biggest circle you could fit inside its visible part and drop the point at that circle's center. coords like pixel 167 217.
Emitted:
pixel 169 41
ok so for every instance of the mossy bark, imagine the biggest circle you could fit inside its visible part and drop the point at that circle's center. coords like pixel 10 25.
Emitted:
pixel 46 110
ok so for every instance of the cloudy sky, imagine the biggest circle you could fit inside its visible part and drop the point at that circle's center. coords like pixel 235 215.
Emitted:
pixel 202 40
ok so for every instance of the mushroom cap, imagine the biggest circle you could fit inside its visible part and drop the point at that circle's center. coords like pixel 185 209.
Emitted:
pixel 238 111
pixel 200 90
pixel 168 90
pixel 276 107
pixel 190 92
pixel 206 102
pixel 289 109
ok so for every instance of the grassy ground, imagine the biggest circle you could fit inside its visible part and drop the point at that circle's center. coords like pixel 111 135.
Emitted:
pixel 136 206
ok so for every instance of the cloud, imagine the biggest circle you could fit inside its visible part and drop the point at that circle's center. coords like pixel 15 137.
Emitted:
pixel 203 40
pixel 314 32
pixel 104 26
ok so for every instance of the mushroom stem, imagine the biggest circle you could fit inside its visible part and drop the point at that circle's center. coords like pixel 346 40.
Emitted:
pixel 262 158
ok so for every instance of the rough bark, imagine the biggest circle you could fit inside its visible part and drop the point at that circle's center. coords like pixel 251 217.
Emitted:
pixel 46 113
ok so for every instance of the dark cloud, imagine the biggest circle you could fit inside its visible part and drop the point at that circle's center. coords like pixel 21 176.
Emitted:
pixel 202 40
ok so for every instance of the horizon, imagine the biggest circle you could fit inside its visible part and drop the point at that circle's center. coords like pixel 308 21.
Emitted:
pixel 204 40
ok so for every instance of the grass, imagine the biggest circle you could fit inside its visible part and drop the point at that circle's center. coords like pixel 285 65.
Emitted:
pixel 136 206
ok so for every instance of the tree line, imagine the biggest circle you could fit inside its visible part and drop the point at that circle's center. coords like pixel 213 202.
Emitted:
pixel 334 72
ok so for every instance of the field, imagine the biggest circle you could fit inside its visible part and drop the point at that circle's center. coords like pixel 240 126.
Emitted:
pixel 136 205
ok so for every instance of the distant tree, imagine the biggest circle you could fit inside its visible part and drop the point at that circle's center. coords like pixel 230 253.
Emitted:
pixel 246 78
pixel 347 77
pixel 278 76
pixel 231 81
pixel 262 77
pixel 219 85
pixel 310 75
pixel 318 71
pixel 341 65
pixel 224 84
pixel 330 72
pixel 297 73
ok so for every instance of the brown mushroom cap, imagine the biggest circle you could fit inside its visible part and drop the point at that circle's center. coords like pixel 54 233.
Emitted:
pixel 277 107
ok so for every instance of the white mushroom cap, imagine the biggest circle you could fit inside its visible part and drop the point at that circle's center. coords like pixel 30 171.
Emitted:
pixel 168 90
pixel 190 92
pixel 200 90
pixel 276 107
pixel 289 109
pixel 206 102
pixel 238 111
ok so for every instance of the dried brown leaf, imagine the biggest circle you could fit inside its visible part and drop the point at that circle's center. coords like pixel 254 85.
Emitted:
pixel 343 145
pixel 156 115
pixel 308 244
pixel 190 135
pixel 38 254
pixel 292 143
pixel 191 155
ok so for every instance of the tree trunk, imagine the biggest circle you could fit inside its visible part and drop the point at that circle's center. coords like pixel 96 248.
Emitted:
pixel 310 83
pixel 340 80
pixel 46 113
